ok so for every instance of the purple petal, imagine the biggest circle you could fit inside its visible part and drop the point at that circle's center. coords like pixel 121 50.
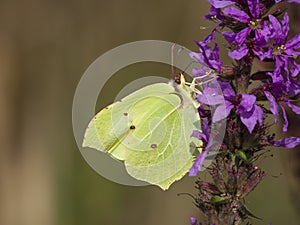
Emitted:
pixel 294 88
pixel 291 52
pixel 196 167
pixel 242 35
pixel 254 8
pixel 193 220
pixel 290 142
pixel 222 111
pixel 210 96
pixel 260 39
pixel 277 75
pixel 214 14
pixel 249 119
pixel 227 90
pixel 295 109
pixel 285 120
pixel 207 39
pixel 276 30
pixel 202 72
pixel 214 59
pixel 285 63
pixel 285 24
pixel 263 54
pixel 239 53
pixel 229 36
pixel 294 42
pixel 273 105
pixel 216 51
pixel 259 114
pixel 205 134
pixel 199 135
pixel 220 4
pixel 247 103
pixel 295 69
pixel 207 55
pixel 198 57
pixel 237 14
pixel 262 35
pixel 264 28
pixel 206 129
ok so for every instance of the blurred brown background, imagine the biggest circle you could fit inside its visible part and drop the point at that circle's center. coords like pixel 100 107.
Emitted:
pixel 45 47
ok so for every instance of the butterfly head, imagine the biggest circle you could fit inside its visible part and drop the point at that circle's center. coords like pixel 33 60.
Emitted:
pixel 177 78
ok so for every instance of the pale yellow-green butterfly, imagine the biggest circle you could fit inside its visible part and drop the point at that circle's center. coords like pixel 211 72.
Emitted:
pixel 150 131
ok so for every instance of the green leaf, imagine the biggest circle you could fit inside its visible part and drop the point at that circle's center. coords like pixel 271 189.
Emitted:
pixel 219 199
pixel 243 156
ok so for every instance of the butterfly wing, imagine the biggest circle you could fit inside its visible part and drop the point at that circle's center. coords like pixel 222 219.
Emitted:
pixel 150 131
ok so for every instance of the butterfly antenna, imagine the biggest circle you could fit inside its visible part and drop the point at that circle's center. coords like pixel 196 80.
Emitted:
pixel 172 61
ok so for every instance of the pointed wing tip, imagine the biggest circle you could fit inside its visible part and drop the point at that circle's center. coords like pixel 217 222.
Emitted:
pixel 164 187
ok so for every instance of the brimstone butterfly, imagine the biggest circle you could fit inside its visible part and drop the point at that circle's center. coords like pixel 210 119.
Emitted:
pixel 150 131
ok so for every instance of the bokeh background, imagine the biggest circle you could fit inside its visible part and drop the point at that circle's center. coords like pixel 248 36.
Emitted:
pixel 45 47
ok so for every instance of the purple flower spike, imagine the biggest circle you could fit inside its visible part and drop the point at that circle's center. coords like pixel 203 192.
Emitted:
pixel 234 106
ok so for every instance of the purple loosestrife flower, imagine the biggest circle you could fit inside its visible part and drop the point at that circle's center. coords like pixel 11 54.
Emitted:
pixel 283 51
pixel 280 92
pixel 208 57
pixel 255 44
pixel 249 112
pixel 252 21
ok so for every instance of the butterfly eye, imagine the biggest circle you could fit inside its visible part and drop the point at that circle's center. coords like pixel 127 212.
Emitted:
pixel 177 79
pixel 132 127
